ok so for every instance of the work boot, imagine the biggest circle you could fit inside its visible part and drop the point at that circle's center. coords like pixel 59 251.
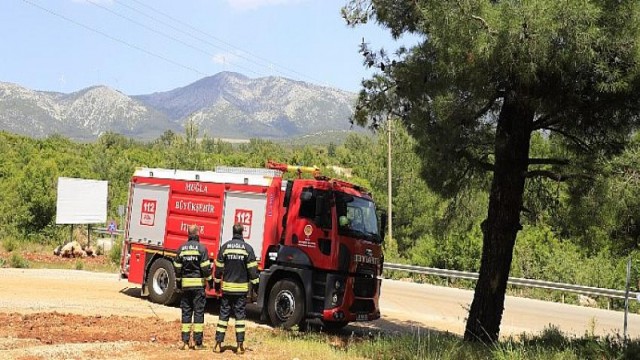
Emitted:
pixel 184 346
pixel 240 350
pixel 217 347
pixel 199 347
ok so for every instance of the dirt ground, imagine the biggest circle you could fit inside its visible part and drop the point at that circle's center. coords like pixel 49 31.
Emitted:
pixel 77 314
pixel 70 336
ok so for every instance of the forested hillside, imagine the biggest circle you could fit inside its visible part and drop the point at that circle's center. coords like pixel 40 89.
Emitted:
pixel 578 232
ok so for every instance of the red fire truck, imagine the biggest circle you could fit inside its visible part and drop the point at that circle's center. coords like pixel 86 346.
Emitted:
pixel 317 240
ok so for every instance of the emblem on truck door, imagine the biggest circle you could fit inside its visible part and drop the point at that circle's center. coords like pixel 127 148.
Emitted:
pixel 308 230
pixel 368 252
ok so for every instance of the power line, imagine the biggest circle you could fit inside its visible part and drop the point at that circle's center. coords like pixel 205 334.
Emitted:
pixel 133 46
pixel 164 34
pixel 264 60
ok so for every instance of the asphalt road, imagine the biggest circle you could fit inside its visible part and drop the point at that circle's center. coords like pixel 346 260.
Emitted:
pixel 444 308
pixel 405 307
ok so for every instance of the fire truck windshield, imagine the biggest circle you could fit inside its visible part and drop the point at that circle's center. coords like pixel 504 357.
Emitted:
pixel 357 217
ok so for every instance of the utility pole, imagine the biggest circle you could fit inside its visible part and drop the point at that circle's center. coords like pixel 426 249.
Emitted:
pixel 389 188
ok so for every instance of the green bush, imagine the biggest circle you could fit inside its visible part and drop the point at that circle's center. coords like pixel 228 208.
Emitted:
pixel 17 261
pixel 79 265
pixel 114 253
pixel 3 262
pixel 10 244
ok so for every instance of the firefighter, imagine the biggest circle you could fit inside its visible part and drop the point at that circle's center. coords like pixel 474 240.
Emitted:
pixel 236 267
pixel 193 268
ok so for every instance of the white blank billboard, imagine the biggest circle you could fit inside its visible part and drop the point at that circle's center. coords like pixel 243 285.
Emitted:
pixel 81 201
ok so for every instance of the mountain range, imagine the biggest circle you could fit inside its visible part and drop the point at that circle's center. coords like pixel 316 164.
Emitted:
pixel 225 105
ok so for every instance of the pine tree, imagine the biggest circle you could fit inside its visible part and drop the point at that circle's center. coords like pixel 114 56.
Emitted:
pixel 487 74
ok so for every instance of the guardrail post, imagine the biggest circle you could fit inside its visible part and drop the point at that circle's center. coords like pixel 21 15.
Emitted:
pixel 626 300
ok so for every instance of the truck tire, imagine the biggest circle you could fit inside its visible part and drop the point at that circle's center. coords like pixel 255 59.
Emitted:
pixel 286 306
pixel 161 282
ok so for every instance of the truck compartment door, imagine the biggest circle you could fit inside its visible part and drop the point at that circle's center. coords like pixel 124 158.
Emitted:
pixel 249 209
pixel 148 214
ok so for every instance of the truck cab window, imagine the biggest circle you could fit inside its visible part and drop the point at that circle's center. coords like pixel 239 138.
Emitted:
pixel 357 217
pixel 316 205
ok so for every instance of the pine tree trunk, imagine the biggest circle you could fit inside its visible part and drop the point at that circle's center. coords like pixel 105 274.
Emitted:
pixel 513 135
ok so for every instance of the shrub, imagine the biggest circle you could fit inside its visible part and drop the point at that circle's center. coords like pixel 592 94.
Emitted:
pixel 114 253
pixel 10 244
pixel 17 261
pixel 79 265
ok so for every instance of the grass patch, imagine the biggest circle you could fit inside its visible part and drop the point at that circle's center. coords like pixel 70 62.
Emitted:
pixel 17 261
pixel 551 344
pixel 10 244
pixel 79 265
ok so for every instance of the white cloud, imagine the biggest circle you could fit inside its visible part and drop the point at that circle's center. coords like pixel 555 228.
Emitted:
pixel 254 4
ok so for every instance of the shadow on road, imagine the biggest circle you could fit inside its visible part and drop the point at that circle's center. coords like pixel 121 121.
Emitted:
pixel 384 327
pixel 360 329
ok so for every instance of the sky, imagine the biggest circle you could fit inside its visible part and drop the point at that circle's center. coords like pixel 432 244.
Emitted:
pixel 145 46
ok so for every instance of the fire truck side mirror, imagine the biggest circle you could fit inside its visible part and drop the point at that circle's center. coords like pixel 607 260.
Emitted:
pixel 306 195
pixel 383 224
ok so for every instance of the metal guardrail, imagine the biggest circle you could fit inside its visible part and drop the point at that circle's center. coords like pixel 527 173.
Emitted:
pixel 579 289
pixel 107 232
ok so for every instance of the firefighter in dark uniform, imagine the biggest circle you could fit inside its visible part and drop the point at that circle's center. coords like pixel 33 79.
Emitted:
pixel 236 266
pixel 193 268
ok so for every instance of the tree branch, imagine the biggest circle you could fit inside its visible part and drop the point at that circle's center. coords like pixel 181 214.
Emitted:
pixel 554 176
pixel 544 122
pixel 477 162
pixel 484 24
pixel 549 161
pixel 488 106
pixel 573 138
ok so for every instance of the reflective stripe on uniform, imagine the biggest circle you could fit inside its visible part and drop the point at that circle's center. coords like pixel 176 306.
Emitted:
pixel 219 264
pixel 190 252
pixel 190 282
pixel 205 263
pixel 252 264
pixel 176 264
pixel 235 251
pixel 255 281
pixel 240 326
pixel 186 327
pixel 235 287
pixel 222 326
pixel 209 278
pixel 217 280
pixel 198 327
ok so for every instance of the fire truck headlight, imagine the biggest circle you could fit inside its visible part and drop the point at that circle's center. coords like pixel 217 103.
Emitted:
pixel 334 299
pixel 338 284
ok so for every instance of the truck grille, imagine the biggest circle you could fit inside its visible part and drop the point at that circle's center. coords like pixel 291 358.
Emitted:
pixel 362 306
pixel 364 287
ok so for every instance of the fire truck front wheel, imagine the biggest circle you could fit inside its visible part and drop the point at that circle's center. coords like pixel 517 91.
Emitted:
pixel 161 282
pixel 286 304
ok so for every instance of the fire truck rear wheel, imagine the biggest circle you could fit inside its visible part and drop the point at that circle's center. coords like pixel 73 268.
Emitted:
pixel 286 304
pixel 161 282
